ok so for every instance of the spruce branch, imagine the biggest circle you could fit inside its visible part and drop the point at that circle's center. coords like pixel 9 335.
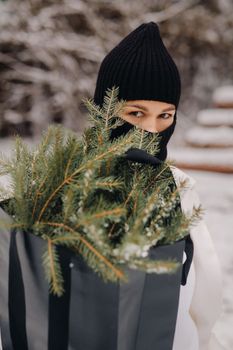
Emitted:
pixel 95 112
pixel 52 269
pixel 83 194
pixel 72 240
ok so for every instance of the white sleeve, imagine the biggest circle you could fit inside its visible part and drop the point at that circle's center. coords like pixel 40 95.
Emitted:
pixel 206 303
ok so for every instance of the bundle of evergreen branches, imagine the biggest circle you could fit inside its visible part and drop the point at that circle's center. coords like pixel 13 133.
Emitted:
pixel 84 194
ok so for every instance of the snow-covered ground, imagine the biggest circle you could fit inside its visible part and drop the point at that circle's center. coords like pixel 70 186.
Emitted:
pixel 216 194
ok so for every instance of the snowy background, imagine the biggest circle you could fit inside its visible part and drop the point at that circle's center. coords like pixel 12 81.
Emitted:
pixel 50 54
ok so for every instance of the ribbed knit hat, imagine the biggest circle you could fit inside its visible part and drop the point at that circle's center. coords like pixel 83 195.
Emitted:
pixel 143 69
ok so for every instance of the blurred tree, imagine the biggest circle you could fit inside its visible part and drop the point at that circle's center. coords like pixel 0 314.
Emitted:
pixel 50 52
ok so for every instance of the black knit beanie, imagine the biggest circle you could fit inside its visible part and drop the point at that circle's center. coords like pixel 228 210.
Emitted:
pixel 142 68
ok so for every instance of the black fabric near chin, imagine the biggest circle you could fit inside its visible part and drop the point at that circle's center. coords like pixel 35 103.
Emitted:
pixel 120 130
pixel 141 156
pixel 165 136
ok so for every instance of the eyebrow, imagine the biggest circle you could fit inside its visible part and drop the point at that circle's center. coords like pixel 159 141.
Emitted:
pixel 171 108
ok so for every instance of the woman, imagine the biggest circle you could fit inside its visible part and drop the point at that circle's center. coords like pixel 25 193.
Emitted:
pixel 149 82
pixel 93 315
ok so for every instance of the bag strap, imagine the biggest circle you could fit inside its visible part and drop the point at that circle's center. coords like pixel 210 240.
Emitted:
pixel 59 307
pixel 16 297
pixel 187 264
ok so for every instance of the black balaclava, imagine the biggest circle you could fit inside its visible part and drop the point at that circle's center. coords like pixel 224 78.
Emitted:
pixel 143 69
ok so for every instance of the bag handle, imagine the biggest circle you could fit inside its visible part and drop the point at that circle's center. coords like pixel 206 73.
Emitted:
pixel 189 253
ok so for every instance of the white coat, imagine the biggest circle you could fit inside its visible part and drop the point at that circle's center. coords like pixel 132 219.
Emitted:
pixel 200 301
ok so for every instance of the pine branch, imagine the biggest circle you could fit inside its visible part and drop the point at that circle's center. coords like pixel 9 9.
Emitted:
pixel 95 112
pixel 76 237
pixel 84 194
pixel 110 100
pixel 53 270
pixel 116 149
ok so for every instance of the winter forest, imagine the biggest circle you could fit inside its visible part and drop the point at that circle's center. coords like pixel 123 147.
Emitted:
pixel 50 52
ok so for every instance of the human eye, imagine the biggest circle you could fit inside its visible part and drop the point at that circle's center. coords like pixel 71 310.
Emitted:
pixel 134 114
pixel 164 114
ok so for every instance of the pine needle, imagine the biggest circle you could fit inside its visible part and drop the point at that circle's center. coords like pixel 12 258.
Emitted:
pixel 83 194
